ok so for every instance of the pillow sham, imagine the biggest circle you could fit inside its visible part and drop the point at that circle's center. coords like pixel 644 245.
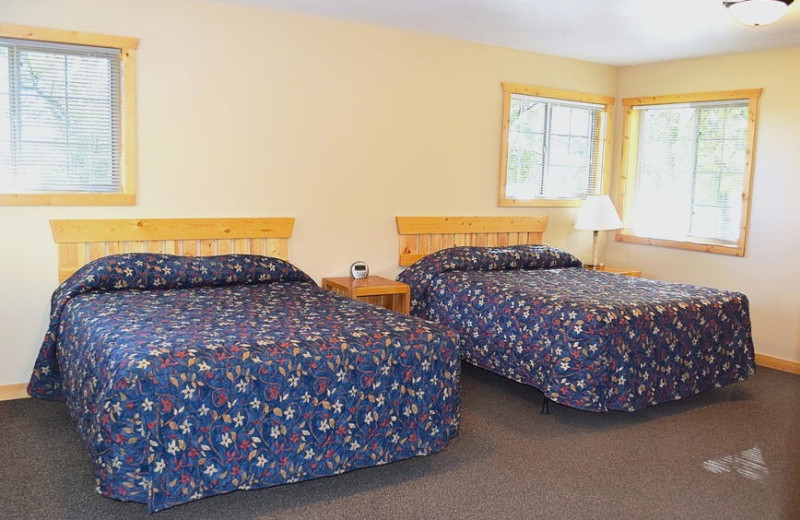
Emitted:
pixel 149 271
pixel 474 258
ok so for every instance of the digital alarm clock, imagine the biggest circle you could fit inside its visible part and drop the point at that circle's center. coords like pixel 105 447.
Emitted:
pixel 359 270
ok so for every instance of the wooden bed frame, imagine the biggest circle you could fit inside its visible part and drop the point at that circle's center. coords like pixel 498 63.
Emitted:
pixel 81 241
pixel 421 236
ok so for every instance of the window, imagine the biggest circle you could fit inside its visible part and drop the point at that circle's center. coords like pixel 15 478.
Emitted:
pixel 66 118
pixel 554 145
pixel 687 163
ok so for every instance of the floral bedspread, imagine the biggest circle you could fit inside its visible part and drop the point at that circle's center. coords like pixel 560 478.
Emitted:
pixel 591 340
pixel 190 377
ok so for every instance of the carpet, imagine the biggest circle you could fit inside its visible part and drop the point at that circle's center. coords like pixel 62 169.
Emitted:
pixel 729 453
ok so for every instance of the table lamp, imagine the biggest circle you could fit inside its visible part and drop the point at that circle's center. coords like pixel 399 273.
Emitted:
pixel 597 214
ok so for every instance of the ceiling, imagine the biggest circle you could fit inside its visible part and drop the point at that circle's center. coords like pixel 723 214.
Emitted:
pixel 613 32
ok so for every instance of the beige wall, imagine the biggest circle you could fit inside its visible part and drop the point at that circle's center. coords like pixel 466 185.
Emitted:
pixel 247 112
pixel 768 273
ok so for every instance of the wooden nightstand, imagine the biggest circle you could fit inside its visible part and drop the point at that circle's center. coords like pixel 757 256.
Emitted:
pixel 395 296
pixel 616 270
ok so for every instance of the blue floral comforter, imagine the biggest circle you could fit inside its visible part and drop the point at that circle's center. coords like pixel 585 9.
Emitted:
pixel 190 377
pixel 591 340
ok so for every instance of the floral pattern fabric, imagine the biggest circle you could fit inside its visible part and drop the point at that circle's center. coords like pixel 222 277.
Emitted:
pixel 190 377
pixel 587 339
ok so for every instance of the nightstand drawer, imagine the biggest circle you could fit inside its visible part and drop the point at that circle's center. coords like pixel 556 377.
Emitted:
pixel 389 294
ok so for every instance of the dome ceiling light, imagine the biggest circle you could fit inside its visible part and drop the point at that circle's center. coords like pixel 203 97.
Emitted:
pixel 757 12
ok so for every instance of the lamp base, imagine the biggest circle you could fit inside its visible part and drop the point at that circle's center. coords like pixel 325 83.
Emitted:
pixel 594 267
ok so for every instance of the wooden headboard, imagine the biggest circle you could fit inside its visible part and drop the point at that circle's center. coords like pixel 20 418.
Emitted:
pixel 421 236
pixel 81 241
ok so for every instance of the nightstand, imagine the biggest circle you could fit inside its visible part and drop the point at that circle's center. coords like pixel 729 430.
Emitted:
pixel 616 270
pixel 395 296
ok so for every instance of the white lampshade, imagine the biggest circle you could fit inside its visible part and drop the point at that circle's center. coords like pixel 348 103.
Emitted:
pixel 598 214
pixel 757 12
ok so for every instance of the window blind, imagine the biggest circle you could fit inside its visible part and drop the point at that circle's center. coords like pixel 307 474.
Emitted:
pixel 555 148
pixel 59 118
pixel 691 167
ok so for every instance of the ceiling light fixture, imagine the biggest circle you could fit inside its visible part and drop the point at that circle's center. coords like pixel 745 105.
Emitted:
pixel 757 12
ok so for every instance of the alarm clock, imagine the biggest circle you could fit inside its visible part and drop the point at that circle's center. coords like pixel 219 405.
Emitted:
pixel 359 270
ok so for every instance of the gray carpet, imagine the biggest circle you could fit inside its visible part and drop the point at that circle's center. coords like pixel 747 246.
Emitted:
pixel 731 453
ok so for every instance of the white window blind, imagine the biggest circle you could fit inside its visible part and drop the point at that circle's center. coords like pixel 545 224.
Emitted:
pixel 555 148
pixel 59 118
pixel 690 171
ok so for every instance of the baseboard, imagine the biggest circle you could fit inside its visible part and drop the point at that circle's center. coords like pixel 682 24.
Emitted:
pixel 16 391
pixel 784 365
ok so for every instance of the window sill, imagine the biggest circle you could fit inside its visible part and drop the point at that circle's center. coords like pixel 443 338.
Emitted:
pixel 540 203
pixel 68 199
pixel 733 250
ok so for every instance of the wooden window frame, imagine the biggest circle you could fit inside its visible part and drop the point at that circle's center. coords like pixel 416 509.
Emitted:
pixel 127 145
pixel 561 95
pixel 627 179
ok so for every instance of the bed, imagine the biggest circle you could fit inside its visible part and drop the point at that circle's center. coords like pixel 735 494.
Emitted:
pixel 588 339
pixel 194 361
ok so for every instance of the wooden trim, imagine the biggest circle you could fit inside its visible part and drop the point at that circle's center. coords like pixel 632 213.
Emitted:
pixel 607 151
pixel 750 153
pixel 421 236
pixel 502 200
pixel 553 93
pixel 784 365
pixel 693 97
pixel 536 203
pixel 127 166
pixel 128 140
pixel 23 32
pixel 81 241
pixel 627 177
pixel 604 143
pixel 69 199
pixel 625 236
pixel 14 391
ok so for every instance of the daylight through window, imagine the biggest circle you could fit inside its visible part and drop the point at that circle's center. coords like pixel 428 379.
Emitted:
pixel 553 148
pixel 62 122
pixel 687 170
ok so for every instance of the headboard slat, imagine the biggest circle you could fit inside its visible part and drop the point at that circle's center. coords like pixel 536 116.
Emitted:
pixel 126 230
pixel 471 225
pixel 81 241
pixel 421 236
